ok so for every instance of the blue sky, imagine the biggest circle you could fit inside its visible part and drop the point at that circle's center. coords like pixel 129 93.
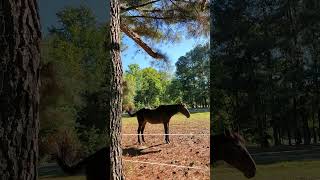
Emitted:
pixel 133 54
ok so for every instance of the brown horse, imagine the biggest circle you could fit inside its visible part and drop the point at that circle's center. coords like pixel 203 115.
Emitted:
pixel 230 148
pixel 161 114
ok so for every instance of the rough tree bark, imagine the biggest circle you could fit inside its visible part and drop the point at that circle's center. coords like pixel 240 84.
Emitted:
pixel 19 89
pixel 115 95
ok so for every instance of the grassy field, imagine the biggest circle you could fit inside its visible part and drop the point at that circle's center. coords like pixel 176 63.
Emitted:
pixel 183 150
pixel 296 170
pixel 194 150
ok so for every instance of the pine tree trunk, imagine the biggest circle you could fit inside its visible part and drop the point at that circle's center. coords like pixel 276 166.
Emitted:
pixel 306 131
pixel 19 89
pixel 115 103
pixel 314 129
pixel 319 123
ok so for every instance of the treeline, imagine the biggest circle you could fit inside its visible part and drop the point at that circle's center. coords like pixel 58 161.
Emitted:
pixel 74 88
pixel 149 87
pixel 265 69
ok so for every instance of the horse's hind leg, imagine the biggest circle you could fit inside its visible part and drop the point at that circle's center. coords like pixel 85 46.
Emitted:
pixel 140 122
pixel 166 131
pixel 142 131
pixel 139 134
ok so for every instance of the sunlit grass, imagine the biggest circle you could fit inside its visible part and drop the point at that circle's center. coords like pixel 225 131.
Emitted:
pixel 200 116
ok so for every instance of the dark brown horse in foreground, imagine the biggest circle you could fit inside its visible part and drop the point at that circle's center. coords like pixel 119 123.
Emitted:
pixel 230 148
pixel 95 166
pixel 161 114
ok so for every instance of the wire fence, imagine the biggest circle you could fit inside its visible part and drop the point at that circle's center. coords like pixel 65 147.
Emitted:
pixel 171 165
pixel 167 134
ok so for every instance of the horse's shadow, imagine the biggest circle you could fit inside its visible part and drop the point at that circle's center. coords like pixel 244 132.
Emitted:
pixel 133 151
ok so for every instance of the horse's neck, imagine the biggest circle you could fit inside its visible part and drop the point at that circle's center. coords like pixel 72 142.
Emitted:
pixel 217 148
pixel 172 111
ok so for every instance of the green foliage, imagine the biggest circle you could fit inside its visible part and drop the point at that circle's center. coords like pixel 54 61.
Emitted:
pixel 171 17
pixel 144 87
pixel 149 87
pixel 261 56
pixel 129 91
pixel 174 91
pixel 73 77
pixel 193 75
pixel 92 139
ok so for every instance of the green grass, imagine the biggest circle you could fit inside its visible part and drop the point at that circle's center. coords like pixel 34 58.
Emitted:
pixel 297 170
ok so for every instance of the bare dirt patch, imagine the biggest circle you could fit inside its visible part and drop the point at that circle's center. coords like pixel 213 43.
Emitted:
pixel 191 151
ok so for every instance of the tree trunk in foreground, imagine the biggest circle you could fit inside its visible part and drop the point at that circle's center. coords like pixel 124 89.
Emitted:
pixel 19 89
pixel 115 95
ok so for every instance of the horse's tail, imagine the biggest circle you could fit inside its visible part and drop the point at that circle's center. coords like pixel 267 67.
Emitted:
pixel 132 115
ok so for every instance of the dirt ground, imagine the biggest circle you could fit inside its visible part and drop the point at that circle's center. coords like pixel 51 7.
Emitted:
pixel 192 151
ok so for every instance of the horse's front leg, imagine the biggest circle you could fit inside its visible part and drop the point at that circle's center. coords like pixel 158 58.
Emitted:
pixel 139 134
pixel 166 131
pixel 142 131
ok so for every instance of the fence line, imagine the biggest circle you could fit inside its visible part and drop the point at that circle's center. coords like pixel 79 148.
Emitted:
pixel 172 165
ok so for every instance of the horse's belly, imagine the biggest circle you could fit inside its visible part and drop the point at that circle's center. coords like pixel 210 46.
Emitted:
pixel 154 121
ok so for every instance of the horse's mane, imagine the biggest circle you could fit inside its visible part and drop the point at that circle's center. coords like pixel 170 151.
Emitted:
pixel 237 136
pixel 234 136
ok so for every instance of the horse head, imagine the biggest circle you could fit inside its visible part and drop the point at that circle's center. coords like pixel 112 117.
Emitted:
pixel 182 108
pixel 230 147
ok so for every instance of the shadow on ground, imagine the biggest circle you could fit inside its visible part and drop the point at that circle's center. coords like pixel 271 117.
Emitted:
pixel 133 151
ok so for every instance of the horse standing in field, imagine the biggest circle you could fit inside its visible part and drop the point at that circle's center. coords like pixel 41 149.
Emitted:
pixel 161 114
pixel 230 148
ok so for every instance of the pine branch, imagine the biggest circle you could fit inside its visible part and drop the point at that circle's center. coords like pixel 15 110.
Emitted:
pixel 149 17
pixel 135 37
pixel 124 9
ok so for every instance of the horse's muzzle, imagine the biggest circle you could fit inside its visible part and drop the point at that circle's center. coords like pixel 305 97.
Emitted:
pixel 250 174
